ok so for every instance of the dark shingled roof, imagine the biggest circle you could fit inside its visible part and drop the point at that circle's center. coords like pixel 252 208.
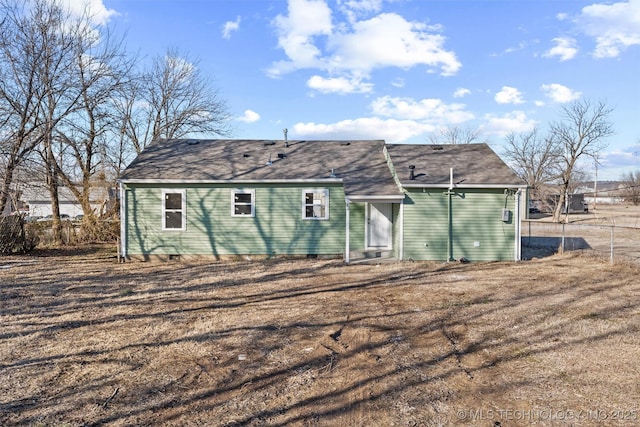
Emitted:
pixel 473 164
pixel 360 164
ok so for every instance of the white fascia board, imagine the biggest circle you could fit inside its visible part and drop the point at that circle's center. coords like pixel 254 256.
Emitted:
pixel 470 186
pixel 377 198
pixel 231 181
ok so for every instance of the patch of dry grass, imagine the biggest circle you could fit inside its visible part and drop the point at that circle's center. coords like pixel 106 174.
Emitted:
pixel 87 341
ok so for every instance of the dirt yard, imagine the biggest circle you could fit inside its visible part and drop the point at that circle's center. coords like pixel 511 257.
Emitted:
pixel 86 341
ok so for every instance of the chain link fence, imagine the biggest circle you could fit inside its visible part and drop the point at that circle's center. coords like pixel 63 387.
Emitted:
pixel 612 242
pixel 14 238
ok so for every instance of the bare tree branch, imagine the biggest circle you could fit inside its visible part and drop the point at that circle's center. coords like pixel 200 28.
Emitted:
pixel 583 131
pixel 534 158
pixel 456 135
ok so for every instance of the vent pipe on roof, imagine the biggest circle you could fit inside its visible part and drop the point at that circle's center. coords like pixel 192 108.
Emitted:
pixel 411 172
pixel 286 142
pixel 450 179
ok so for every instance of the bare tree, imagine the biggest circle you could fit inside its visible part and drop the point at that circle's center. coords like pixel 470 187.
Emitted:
pixel 71 103
pixel 534 158
pixel 456 135
pixel 100 72
pixel 36 43
pixel 583 131
pixel 171 100
pixel 62 36
pixel 42 50
pixel 21 52
pixel 631 182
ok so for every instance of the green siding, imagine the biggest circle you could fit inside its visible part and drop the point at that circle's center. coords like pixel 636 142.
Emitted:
pixel 277 228
pixel 476 217
pixel 356 226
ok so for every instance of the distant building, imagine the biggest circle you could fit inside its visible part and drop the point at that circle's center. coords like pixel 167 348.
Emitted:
pixel 606 192
pixel 14 205
pixel 38 200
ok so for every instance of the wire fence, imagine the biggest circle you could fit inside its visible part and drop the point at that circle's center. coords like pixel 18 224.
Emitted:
pixel 613 242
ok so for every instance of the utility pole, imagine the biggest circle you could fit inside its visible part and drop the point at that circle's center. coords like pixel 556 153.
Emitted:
pixel 595 183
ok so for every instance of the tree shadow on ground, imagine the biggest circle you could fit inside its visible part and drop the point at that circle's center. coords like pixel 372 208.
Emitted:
pixel 542 247
pixel 371 350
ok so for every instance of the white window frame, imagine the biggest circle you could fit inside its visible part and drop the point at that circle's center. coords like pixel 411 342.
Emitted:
pixel 252 204
pixel 325 192
pixel 182 210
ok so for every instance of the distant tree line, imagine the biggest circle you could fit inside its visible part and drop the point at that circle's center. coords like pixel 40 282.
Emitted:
pixel 76 107
pixel 631 182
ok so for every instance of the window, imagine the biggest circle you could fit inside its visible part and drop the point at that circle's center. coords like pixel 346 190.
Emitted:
pixel 173 209
pixel 315 204
pixel 243 203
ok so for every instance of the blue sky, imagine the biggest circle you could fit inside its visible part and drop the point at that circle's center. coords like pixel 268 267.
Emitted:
pixel 401 70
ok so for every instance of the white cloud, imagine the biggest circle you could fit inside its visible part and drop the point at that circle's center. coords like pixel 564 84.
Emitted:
pixel 461 92
pixel 516 122
pixel 432 110
pixel 559 93
pixel 391 130
pixel 517 48
pixel 364 5
pixel 180 66
pixel 249 117
pixel 614 27
pixel 296 31
pixel 393 119
pixel 95 9
pixel 230 26
pixel 562 16
pixel 398 82
pixel 620 158
pixel 352 9
pixel 565 49
pixel 339 85
pixel 509 95
pixel 388 40
pixel 309 39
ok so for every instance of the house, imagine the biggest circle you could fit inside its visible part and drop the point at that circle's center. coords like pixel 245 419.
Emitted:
pixel 13 205
pixel 38 199
pixel 461 201
pixel 227 198
pixel 605 192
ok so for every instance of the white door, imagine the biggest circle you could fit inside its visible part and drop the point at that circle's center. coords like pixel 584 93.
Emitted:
pixel 378 226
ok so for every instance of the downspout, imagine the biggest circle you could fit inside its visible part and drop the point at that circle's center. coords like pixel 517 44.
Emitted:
pixel 347 221
pixel 123 221
pixel 450 217
pixel 401 231
pixel 518 220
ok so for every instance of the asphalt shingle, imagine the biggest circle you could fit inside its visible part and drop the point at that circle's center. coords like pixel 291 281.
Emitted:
pixel 360 163
pixel 473 164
